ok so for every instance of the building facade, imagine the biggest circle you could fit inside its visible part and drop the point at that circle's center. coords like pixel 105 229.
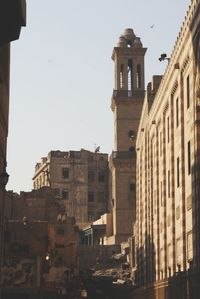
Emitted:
pixel 12 18
pixel 166 233
pixel 38 234
pixel 127 101
pixel 81 181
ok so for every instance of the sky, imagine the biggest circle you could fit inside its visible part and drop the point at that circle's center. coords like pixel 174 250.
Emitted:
pixel 62 75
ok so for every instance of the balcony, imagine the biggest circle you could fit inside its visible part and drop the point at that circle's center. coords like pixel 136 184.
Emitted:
pixel 128 93
pixel 123 155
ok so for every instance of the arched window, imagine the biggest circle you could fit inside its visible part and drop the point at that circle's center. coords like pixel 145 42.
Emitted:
pixel 130 75
pixel 121 81
pixel 129 44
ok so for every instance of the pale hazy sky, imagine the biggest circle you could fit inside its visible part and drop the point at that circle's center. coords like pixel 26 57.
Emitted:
pixel 62 73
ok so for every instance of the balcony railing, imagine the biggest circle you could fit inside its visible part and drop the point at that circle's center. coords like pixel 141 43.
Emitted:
pixel 128 93
pixel 123 155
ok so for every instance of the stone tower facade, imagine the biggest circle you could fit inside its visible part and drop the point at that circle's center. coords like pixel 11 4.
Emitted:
pixel 127 101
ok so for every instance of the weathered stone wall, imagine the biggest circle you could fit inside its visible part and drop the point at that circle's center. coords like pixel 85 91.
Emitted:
pixel 95 257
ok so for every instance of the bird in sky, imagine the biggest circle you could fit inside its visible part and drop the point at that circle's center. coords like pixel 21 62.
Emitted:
pixel 152 26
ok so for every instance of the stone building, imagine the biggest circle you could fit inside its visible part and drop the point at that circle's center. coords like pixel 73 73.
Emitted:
pixel 38 232
pixel 127 101
pixel 81 181
pixel 12 18
pixel 26 247
pixel 166 251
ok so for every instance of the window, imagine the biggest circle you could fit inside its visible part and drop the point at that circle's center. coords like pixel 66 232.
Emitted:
pixel 168 183
pixel 132 187
pixel 65 194
pixel 177 172
pixel 121 76
pixel 188 91
pixel 90 196
pixel 138 76
pixel 91 176
pixel 189 158
pixel 65 173
pixel 177 112
pixel 101 177
pixel 189 246
pixel 131 134
pixel 129 72
pixel 168 129
pixel 178 252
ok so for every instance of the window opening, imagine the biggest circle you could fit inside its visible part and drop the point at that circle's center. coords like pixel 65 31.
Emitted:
pixel 121 76
pixel 189 159
pixel 130 75
pixel 138 77
pixel 188 91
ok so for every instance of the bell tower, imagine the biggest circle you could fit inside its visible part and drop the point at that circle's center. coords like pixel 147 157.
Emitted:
pixel 127 101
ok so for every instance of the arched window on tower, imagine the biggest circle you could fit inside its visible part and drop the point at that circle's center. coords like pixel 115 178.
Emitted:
pixel 129 44
pixel 130 75
pixel 121 76
pixel 138 76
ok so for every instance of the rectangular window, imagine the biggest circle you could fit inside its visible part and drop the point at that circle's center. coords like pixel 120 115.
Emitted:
pixel 177 172
pixel 90 176
pixel 188 91
pixel 65 194
pixel 189 246
pixel 189 158
pixel 101 177
pixel 168 183
pixel 177 112
pixel 178 252
pixel 90 196
pixel 132 187
pixel 65 173
pixel 168 129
